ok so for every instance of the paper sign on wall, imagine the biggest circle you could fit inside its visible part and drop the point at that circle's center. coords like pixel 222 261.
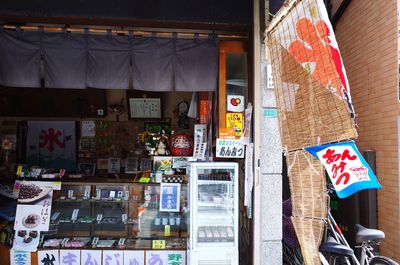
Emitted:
pixel 113 257
pixel 170 195
pixel 229 148
pixel 88 129
pixel 91 257
pixel 156 257
pixel 70 257
pixel 346 167
pixel 20 257
pixel 176 257
pixel 235 121
pixel 46 257
pixel 134 257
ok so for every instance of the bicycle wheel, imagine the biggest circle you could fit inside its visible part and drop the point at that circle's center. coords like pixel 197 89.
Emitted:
pixel 380 260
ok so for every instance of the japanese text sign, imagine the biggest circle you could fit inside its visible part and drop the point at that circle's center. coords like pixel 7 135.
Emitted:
pixel 346 167
pixel 70 257
pixel 48 257
pixel 20 257
pixel 156 257
pixel 91 257
pixel 230 148
pixel 170 197
pixel 235 120
pixel 176 258
pixel 113 257
pixel 134 257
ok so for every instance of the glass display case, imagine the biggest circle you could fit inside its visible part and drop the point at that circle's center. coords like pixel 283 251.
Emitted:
pixel 114 215
pixel 213 213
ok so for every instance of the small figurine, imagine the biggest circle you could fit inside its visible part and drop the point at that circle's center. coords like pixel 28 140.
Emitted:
pixel 162 147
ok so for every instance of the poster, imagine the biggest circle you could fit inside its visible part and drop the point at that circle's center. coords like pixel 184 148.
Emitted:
pixel 20 257
pixel 134 257
pixel 113 257
pixel 170 195
pixel 48 257
pixel 235 121
pixel 176 257
pixel 70 257
pixel 346 167
pixel 156 258
pixel 91 257
pixel 229 148
pixel 51 144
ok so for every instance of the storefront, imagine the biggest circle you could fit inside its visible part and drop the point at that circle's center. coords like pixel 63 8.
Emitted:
pixel 127 145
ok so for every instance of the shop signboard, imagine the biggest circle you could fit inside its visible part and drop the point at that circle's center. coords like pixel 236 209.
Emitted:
pixel 91 257
pixel 134 257
pixel 113 257
pixel 227 148
pixel 48 257
pixel 156 257
pixel 346 167
pixel 70 257
pixel 170 197
pixel 20 257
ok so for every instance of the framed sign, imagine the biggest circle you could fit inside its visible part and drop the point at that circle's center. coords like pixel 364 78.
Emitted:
pixel 147 108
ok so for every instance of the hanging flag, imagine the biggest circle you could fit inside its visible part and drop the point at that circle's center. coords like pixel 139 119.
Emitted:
pixel 346 167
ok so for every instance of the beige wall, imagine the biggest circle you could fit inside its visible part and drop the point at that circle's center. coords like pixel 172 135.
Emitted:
pixel 367 37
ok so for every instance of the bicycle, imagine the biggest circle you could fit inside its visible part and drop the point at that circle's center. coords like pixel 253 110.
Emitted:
pixel 339 252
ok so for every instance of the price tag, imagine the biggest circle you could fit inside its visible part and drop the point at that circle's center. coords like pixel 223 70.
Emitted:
pixel 70 194
pixel 87 194
pixel 120 193
pixel 158 244
pixel 112 194
pixel 19 170
pixel 124 218
pixel 55 216
pixel 99 218
pixel 75 213
pixel 98 194
pixel 95 241
pixel 121 241
pixel 64 241
pixel 144 180
pixel 126 197
pixel 167 230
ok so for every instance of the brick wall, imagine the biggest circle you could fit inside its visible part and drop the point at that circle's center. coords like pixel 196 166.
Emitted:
pixel 367 37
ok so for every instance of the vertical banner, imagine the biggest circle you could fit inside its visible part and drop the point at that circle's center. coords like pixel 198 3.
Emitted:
pixel 70 257
pixel 91 257
pixel 249 178
pixel 46 257
pixel 346 167
pixel 156 257
pixel 20 257
pixel 134 257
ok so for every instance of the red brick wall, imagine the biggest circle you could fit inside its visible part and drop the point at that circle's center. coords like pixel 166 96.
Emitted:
pixel 367 37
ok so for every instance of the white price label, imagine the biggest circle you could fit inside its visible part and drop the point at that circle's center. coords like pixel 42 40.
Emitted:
pixel 95 241
pixel 86 194
pixel 55 216
pixel 120 193
pixel 70 194
pixel 126 195
pixel 124 218
pixel 99 218
pixel 98 194
pixel 75 213
pixel 64 241
pixel 112 194
pixel 121 241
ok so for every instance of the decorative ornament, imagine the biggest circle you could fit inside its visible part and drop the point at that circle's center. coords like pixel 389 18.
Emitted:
pixel 181 145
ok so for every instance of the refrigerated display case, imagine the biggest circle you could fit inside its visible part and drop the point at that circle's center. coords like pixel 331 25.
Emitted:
pixel 213 224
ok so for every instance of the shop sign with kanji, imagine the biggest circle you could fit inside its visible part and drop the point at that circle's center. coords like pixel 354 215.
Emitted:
pixel 346 167
pixel 170 197
pixel 227 148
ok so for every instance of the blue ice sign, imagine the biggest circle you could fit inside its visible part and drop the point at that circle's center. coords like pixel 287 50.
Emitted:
pixel 170 197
